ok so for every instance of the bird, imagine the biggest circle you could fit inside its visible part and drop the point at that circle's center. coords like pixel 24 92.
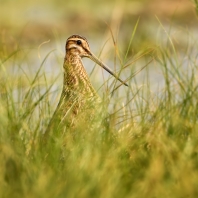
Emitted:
pixel 78 94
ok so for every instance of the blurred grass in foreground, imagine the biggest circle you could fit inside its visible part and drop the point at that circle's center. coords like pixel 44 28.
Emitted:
pixel 152 153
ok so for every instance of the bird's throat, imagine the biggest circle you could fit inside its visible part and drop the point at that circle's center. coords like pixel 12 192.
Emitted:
pixel 75 76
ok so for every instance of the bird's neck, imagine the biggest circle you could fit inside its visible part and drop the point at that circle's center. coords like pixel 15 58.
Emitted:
pixel 75 76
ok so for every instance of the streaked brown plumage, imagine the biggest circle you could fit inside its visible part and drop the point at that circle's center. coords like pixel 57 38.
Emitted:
pixel 78 95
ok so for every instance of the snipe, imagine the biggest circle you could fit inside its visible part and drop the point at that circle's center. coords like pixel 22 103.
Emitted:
pixel 78 95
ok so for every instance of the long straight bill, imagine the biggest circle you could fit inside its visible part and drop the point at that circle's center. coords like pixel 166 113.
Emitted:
pixel 96 60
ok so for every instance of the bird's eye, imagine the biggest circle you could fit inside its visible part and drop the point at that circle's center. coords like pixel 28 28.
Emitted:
pixel 78 42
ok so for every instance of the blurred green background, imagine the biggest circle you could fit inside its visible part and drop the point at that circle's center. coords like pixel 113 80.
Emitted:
pixel 30 23
pixel 40 26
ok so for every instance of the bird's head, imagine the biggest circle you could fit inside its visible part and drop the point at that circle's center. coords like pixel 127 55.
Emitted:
pixel 78 46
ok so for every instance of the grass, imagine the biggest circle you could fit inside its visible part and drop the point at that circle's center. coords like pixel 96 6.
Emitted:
pixel 147 148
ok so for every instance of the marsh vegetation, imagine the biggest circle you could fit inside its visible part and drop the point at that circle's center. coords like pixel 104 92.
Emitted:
pixel 148 146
